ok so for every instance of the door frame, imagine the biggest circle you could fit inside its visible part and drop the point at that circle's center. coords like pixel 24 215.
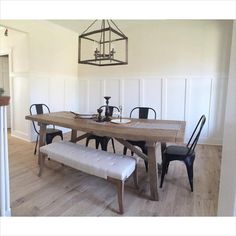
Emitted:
pixel 8 52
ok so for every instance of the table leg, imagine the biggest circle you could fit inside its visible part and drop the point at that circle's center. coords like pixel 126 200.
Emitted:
pixel 132 148
pixel 42 138
pixel 75 139
pixel 154 152
pixel 73 135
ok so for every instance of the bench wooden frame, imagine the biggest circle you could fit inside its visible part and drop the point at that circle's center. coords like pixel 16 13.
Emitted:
pixel 118 183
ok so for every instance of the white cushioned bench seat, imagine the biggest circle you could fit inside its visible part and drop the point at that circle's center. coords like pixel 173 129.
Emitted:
pixel 115 168
pixel 92 161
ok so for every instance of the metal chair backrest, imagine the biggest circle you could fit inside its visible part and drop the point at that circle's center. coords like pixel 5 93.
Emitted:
pixel 38 109
pixel 111 109
pixel 143 112
pixel 195 135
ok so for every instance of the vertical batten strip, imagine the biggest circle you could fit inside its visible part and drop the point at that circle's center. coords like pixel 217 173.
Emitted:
pixel 64 94
pixel 185 98
pixel 163 98
pixel 103 90
pixel 141 92
pixel 88 95
pixel 187 106
pixel 122 95
pixel 209 109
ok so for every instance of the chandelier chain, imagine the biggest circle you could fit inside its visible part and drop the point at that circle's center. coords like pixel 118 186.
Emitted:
pixel 90 26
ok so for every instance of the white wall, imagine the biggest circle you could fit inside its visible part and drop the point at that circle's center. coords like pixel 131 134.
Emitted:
pixel 180 68
pixel 227 194
pixel 16 46
pixel 48 74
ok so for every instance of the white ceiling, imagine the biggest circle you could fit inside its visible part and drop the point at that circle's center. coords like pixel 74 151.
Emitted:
pixel 74 25
pixel 80 25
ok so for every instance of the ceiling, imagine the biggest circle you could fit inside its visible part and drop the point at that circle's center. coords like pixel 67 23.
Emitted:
pixel 80 25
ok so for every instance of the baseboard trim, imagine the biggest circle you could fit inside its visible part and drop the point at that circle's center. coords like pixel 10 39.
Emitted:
pixel 20 135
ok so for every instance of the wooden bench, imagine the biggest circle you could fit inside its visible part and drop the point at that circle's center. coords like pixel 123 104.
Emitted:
pixel 113 167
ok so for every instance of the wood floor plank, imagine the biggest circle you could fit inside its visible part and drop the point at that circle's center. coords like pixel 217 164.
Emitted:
pixel 63 191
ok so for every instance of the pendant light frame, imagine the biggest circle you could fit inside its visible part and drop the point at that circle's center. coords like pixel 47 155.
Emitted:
pixel 100 56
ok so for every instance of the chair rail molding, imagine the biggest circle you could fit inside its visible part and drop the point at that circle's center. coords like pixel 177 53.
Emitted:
pixel 4 163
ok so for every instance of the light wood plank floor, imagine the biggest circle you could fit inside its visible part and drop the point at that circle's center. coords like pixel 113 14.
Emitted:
pixel 63 191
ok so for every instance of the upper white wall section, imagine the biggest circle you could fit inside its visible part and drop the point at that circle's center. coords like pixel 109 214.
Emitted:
pixel 178 67
pixel 171 48
pixel 227 195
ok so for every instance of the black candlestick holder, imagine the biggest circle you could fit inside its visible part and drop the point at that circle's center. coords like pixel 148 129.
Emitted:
pixel 107 111
pixel 99 119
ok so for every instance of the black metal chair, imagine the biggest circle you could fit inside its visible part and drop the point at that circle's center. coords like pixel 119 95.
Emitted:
pixel 103 141
pixel 143 113
pixel 50 132
pixel 185 154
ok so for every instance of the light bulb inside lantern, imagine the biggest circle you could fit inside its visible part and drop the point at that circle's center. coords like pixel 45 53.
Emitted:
pixel 95 46
pixel 112 47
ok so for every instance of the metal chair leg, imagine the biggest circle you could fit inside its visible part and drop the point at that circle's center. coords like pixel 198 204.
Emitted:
pixel 87 142
pixel 36 145
pixel 97 143
pixel 163 172
pixel 146 165
pixel 113 145
pixel 104 144
pixel 124 150
pixel 189 168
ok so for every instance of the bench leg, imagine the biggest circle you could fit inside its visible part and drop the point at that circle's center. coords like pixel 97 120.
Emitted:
pixel 120 192
pixel 42 161
pixel 135 177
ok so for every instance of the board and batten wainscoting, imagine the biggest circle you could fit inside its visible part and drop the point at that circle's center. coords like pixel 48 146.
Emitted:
pixel 58 92
pixel 174 98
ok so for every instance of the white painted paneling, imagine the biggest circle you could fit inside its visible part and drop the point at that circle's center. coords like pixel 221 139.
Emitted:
pixel 71 95
pixel 152 95
pixel 217 107
pixel 39 90
pixel 112 88
pixel 83 96
pixel 95 95
pixel 39 93
pixel 20 98
pixel 56 94
pixel 59 93
pixel 131 95
pixel 198 104
pixel 175 99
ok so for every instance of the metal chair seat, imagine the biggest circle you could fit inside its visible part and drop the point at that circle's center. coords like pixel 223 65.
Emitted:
pixel 50 132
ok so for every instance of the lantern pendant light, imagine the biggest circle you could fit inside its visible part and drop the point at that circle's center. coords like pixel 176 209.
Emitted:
pixel 103 44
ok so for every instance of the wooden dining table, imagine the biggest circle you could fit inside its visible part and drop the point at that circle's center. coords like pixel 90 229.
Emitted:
pixel 151 131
